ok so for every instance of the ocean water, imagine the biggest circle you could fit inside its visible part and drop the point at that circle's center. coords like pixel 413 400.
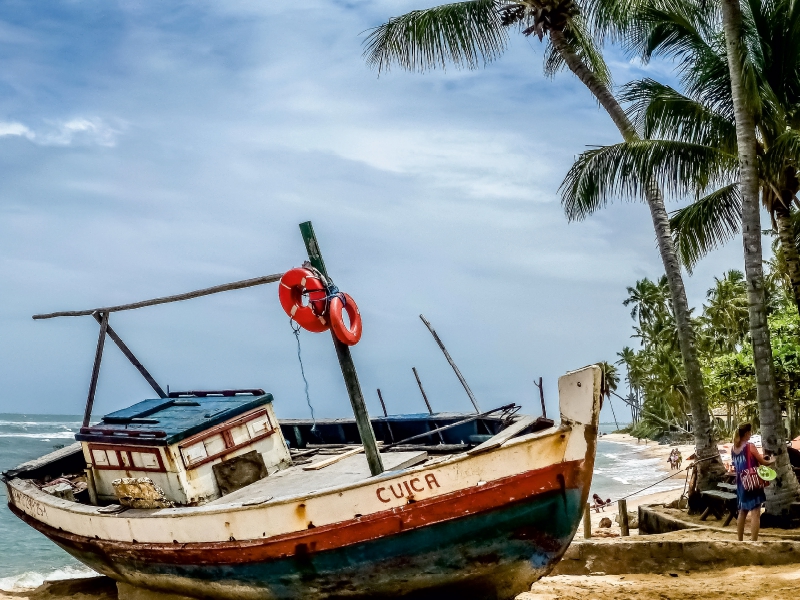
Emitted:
pixel 27 558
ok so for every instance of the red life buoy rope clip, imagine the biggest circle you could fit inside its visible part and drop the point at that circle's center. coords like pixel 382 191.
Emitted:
pixel 338 303
pixel 293 285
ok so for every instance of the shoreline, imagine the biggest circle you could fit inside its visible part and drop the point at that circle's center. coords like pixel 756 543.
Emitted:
pixel 646 450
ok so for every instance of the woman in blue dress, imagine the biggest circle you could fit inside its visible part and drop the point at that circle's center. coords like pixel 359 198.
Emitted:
pixel 745 455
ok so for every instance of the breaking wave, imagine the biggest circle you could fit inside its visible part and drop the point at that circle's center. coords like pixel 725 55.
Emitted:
pixel 32 579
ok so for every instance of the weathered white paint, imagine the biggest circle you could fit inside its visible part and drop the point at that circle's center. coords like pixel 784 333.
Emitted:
pixel 196 485
pixel 221 522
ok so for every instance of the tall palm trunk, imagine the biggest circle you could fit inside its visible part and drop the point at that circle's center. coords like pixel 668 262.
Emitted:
pixel 710 470
pixel 784 489
pixel 791 258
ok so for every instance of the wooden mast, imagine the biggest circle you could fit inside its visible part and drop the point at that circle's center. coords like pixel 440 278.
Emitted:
pixel 346 363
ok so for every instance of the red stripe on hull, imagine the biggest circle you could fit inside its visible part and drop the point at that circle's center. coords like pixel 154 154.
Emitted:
pixel 411 516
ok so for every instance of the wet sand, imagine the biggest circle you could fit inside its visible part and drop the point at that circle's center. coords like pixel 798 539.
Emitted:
pixel 740 582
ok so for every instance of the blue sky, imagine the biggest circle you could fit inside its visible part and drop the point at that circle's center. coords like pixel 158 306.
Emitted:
pixel 154 148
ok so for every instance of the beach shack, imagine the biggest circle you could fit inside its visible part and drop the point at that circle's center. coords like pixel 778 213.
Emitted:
pixel 195 446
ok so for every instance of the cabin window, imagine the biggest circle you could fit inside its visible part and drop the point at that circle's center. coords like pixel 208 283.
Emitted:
pixel 119 458
pixel 224 439
pixel 144 460
pixel 240 435
pixel 99 457
pixel 194 453
pixel 215 444
pixel 258 426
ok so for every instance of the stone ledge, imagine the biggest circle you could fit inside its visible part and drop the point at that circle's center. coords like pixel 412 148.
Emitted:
pixel 618 557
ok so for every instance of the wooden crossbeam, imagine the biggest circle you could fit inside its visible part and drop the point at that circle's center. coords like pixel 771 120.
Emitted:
pixel 236 285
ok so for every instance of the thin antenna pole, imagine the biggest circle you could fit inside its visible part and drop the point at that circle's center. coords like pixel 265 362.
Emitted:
pixel 541 396
pixel 383 404
pixel 421 389
pixel 428 404
pixel 385 414
pixel 452 364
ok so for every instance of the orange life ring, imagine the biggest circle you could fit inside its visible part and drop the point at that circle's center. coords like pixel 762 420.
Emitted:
pixel 293 285
pixel 351 335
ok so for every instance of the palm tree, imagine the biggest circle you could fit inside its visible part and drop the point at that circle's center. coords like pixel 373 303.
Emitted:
pixel 472 32
pixel 701 147
pixel 648 299
pixel 609 383
pixel 783 493
pixel 726 316
pixel 627 357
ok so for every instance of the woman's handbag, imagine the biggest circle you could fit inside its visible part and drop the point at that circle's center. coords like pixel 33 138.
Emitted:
pixel 749 477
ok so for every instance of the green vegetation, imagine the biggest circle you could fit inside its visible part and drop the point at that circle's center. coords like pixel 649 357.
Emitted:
pixel 654 374
pixel 729 138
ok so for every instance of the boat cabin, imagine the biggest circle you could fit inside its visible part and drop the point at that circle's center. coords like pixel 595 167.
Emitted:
pixel 195 446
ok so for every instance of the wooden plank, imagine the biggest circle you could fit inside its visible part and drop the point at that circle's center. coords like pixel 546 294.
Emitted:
pixel 236 285
pixel 294 481
pixel 37 463
pixel 333 459
pixel 346 363
pixel 98 357
pixel 456 424
pixel 504 435
pixel 134 361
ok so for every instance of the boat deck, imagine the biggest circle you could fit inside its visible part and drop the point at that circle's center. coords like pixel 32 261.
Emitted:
pixel 299 480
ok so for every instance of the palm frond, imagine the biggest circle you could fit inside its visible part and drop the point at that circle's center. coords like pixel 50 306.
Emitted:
pixel 465 34
pixel 687 32
pixel 784 153
pixel 659 111
pixel 706 224
pixel 628 169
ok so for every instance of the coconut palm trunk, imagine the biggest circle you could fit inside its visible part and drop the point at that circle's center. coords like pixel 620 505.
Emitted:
pixel 706 448
pixel 791 258
pixel 784 489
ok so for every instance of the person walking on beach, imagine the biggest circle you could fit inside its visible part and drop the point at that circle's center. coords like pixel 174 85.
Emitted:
pixel 745 455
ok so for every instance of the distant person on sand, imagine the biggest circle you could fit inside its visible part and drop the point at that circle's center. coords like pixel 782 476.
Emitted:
pixel 675 459
pixel 745 455
pixel 599 503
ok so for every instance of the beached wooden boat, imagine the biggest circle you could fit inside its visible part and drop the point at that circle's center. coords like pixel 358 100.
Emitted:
pixel 480 504
pixel 487 522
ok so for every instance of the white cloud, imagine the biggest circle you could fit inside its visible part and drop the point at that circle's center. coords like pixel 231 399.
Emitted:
pixel 81 130
pixel 15 129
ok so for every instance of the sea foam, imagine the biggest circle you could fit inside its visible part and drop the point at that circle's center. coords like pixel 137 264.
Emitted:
pixel 31 580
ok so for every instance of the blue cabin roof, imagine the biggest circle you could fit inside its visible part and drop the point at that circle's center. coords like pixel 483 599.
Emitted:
pixel 166 421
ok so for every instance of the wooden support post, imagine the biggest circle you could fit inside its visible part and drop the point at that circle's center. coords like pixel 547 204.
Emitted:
pixel 541 396
pixel 90 485
pixel 346 363
pixel 452 364
pixel 98 357
pixel 587 522
pixel 134 361
pixel 422 390
pixel 622 510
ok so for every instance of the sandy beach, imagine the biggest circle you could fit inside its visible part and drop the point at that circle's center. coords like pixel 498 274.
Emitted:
pixel 740 582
